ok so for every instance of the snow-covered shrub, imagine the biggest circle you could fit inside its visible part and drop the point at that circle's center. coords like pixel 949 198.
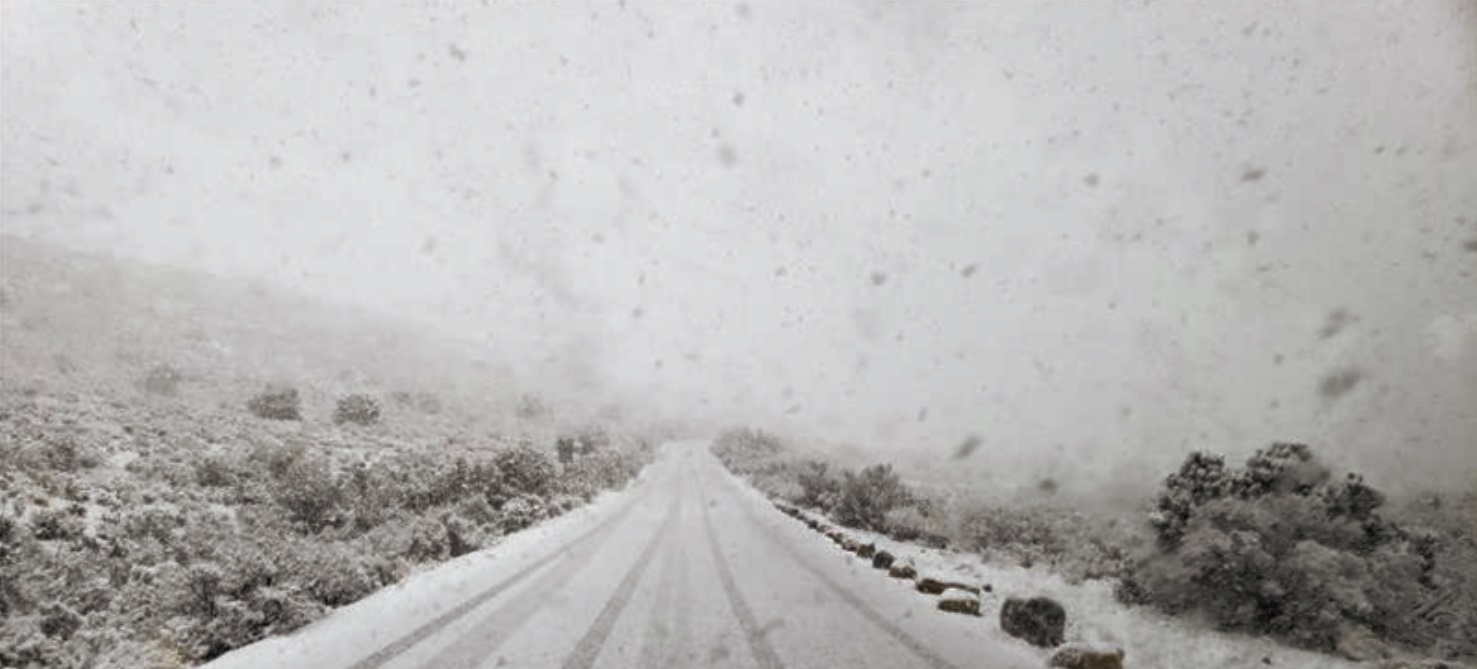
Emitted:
pixel 357 408
pixel 521 512
pixel 213 471
pixel 427 541
pixel 162 380
pixel 819 486
pixel 867 496
pixel 1027 535
pixel 333 573
pixel 462 534
pixel 1201 478
pixel 910 522
pixel 422 401
pixel 564 504
pixel 1275 548
pixel 64 453
pixel 565 448
pixel 148 522
pixel 604 469
pixel 310 494
pixel 477 510
pixel 277 403
pixel 526 470
pixel 743 448
pixel 56 524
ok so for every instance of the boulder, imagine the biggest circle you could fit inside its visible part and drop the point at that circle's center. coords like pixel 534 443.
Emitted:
pixel 849 544
pixel 1040 621
pixel 932 585
pixel 1087 656
pixel 960 600
pixel 866 551
pixel 882 560
pixel 902 569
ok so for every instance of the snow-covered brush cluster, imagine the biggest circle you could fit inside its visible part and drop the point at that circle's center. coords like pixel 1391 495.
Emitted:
pixel 161 536
pixel 875 498
pixel 1281 547
pixel 1277 547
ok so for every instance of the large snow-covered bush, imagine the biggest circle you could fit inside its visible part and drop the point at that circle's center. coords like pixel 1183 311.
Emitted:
pixel 277 403
pixel 358 409
pixel 1279 547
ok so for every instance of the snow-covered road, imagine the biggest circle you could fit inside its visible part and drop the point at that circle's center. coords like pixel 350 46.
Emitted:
pixel 686 568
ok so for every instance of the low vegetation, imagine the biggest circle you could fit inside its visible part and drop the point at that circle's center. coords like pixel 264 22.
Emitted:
pixel 164 536
pixel 1277 547
pixel 277 403
pixel 1280 546
pixel 356 408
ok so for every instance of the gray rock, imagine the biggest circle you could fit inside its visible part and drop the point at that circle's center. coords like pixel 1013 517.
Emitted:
pixel 959 600
pixel 933 585
pixel 1078 655
pixel 1039 621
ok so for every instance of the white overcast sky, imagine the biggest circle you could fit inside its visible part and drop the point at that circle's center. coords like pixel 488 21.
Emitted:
pixel 1097 233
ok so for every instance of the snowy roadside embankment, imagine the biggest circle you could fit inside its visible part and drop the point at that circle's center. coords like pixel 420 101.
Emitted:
pixel 383 618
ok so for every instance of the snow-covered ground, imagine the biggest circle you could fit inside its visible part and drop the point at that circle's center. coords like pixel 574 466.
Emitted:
pixel 367 625
pixel 1151 640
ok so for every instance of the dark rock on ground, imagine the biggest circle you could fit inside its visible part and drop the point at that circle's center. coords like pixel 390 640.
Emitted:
pixel 1087 656
pixel 1039 621
pixel 959 600
pixel 934 586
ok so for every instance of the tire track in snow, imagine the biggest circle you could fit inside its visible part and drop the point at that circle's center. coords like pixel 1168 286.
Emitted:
pixel 489 633
pixel 389 652
pixel 763 653
pixel 917 647
pixel 660 638
pixel 588 648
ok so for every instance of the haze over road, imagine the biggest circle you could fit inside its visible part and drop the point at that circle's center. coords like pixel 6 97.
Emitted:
pixel 687 568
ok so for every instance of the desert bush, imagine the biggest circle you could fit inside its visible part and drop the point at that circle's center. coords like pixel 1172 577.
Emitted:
pixel 820 488
pixel 9 535
pixel 742 449
pixel 56 524
pixel 867 496
pixel 604 469
pixel 162 380
pixel 147 522
pixel 276 403
pixel 524 469
pixel 65 453
pixel 334 574
pixel 521 512
pixel 427 541
pixel 213 471
pixel 311 495
pixel 1027 535
pixel 358 409
pixel 564 449
pixel 463 535
pixel 1276 548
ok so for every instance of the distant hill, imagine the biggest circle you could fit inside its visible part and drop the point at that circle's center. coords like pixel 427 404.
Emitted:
pixel 76 322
